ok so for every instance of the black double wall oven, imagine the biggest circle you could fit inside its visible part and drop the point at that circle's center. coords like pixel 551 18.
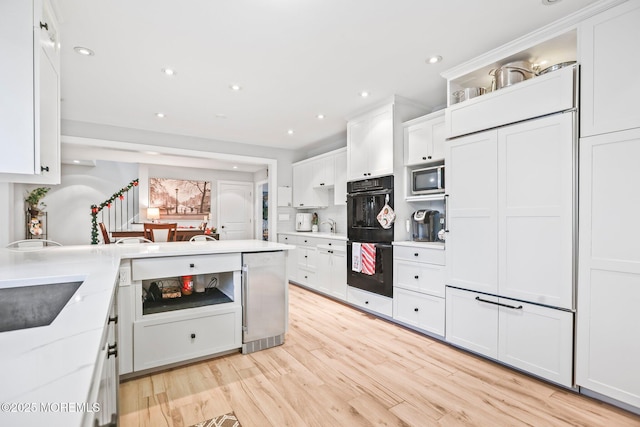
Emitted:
pixel 365 200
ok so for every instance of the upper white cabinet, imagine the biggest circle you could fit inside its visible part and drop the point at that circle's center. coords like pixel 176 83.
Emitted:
pixel 511 209
pixel 314 176
pixel 371 138
pixel 609 100
pixel 370 144
pixel 30 115
pixel 608 348
pixel 424 139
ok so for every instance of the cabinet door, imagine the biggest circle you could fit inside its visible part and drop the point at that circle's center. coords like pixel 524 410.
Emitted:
pixel 608 348
pixel 472 187
pixel 322 170
pixel 357 149
pixel 537 339
pixel 425 278
pixel 425 141
pixel 379 143
pixel 608 102
pixel 292 255
pixel 16 109
pixel 339 274
pixel 536 209
pixel 425 312
pixel 304 195
pixel 472 321
pixel 340 179
pixel 323 275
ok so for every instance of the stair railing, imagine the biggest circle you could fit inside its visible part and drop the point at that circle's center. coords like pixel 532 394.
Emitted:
pixel 118 212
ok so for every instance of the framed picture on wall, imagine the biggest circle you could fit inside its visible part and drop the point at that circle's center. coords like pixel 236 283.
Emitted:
pixel 180 199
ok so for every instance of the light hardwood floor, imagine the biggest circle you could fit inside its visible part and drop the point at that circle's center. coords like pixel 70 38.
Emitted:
pixel 342 367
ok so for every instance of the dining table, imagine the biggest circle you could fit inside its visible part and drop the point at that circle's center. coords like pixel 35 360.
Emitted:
pixel 182 234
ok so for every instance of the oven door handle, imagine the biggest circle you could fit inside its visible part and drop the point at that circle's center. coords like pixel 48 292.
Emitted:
pixel 370 193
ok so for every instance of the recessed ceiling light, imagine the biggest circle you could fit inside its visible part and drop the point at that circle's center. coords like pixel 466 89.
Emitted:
pixel 290 131
pixel 160 115
pixel 83 51
pixel 235 87
pixel 550 2
pixel 434 59
pixel 235 167
pixel 364 94
pixel 221 116
pixel 169 71
pixel 320 116
pixel 76 161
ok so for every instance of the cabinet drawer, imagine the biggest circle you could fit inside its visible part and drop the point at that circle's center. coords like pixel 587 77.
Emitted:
pixel 550 93
pixel 155 268
pixel 160 342
pixel 432 256
pixel 420 277
pixel 287 239
pixel 309 241
pixel 425 312
pixel 372 302
pixel 307 277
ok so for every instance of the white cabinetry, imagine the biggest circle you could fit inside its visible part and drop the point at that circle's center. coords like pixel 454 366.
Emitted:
pixel 534 338
pixel 304 193
pixel 292 256
pixel 608 102
pixel 197 325
pixel 313 177
pixel 419 287
pixel 510 211
pixel 424 139
pixel 377 304
pixel 30 113
pixel 371 137
pixel 332 268
pixel 608 345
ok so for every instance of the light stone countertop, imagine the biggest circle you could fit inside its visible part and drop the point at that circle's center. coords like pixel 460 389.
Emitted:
pixel 54 365
pixel 322 235
pixel 412 244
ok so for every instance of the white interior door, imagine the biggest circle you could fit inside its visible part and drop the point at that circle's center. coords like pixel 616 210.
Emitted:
pixel 235 210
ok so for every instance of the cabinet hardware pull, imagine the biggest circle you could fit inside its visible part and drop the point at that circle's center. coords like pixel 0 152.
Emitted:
pixel 415 277
pixel 366 302
pixel 44 168
pixel 429 157
pixel 112 350
pixel 192 265
pixel 415 309
pixel 415 254
pixel 45 26
pixel 193 336
pixel 446 213
pixel 113 320
pixel 424 158
pixel 499 303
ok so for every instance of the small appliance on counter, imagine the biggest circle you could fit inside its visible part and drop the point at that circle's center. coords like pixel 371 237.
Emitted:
pixel 304 221
pixel 425 225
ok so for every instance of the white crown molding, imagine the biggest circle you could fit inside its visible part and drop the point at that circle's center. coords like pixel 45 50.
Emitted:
pixel 394 99
pixel 547 32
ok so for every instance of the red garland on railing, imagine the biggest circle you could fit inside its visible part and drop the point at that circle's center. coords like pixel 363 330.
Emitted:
pixel 95 209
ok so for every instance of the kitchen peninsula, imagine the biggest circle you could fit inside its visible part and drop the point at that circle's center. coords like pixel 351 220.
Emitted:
pixel 54 374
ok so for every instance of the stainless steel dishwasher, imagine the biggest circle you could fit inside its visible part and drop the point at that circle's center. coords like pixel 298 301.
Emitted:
pixel 264 300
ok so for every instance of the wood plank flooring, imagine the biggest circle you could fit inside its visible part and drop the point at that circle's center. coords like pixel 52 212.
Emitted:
pixel 342 367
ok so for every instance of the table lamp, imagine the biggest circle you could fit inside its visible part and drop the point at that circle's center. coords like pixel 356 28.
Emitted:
pixel 153 214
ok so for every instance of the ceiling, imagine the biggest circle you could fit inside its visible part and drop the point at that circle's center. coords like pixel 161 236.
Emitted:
pixel 294 59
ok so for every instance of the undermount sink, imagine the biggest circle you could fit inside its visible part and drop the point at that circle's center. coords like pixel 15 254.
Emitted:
pixel 32 306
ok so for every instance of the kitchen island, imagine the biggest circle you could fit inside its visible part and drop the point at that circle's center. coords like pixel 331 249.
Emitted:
pixel 50 372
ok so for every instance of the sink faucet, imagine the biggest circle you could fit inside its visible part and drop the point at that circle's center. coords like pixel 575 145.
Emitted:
pixel 332 224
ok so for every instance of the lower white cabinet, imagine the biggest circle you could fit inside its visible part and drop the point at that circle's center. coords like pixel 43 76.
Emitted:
pixel 420 310
pixel 292 256
pixel 332 271
pixel 375 303
pixel 177 337
pixel 419 286
pixel 530 337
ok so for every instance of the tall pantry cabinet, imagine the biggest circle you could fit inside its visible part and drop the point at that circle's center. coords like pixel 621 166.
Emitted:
pixel 608 321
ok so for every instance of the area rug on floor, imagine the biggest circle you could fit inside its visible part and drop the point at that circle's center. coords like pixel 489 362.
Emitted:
pixel 226 420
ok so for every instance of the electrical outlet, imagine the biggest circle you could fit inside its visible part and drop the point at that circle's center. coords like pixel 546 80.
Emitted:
pixel 125 275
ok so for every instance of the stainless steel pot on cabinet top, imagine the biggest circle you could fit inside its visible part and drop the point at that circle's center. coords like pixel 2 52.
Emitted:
pixel 467 93
pixel 511 73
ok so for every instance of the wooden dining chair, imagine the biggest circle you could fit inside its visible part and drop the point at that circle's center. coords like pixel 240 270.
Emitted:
pixel 160 232
pixel 105 234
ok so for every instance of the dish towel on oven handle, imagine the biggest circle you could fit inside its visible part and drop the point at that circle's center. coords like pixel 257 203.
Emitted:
pixel 368 258
pixel 356 257
pixel 386 216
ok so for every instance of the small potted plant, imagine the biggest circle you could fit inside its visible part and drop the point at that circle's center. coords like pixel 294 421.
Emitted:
pixel 34 198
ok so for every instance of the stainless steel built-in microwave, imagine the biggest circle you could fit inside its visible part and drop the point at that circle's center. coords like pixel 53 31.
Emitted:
pixel 427 180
